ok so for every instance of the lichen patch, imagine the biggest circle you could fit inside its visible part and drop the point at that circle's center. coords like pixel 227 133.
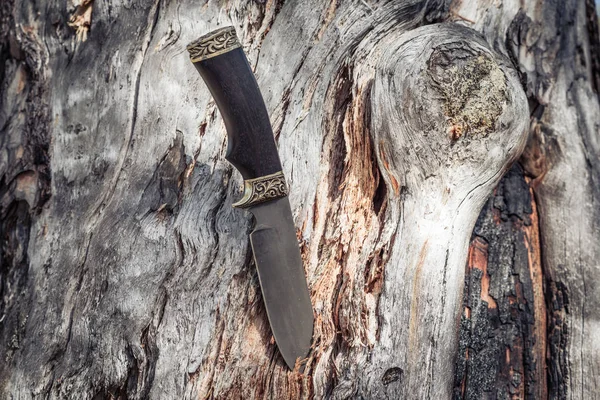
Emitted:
pixel 473 90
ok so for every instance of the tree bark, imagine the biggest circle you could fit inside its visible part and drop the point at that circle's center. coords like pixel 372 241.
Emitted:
pixel 556 48
pixel 125 273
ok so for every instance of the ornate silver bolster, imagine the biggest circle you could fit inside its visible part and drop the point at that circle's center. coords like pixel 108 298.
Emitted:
pixel 214 43
pixel 263 188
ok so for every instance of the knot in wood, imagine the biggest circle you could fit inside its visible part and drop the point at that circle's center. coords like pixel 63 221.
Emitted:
pixel 438 84
pixel 473 88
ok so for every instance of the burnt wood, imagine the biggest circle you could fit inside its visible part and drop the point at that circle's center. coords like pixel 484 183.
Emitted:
pixel 251 146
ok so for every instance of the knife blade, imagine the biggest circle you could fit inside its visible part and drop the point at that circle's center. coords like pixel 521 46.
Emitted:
pixel 251 149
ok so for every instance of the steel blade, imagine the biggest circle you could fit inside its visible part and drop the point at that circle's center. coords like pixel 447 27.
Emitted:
pixel 282 279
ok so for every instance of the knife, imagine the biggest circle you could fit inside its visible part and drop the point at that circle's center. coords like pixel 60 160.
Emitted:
pixel 251 149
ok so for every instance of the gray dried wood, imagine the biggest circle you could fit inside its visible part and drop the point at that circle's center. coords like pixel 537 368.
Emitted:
pixel 124 271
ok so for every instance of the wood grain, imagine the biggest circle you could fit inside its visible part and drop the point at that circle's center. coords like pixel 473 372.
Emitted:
pixel 555 46
pixel 125 273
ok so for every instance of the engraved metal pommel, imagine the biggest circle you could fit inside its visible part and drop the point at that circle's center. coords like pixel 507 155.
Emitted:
pixel 262 189
pixel 215 43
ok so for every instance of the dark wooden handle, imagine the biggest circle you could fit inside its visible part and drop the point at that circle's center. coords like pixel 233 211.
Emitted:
pixel 221 62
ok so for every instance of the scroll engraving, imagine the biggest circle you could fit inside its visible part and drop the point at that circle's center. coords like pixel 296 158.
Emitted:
pixel 261 189
pixel 215 43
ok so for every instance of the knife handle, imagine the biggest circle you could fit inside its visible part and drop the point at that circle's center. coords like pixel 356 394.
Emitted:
pixel 251 148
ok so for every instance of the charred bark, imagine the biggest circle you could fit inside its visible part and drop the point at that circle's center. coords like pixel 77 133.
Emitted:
pixel 503 330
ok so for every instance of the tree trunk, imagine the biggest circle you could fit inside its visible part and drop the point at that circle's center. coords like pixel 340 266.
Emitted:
pixel 125 272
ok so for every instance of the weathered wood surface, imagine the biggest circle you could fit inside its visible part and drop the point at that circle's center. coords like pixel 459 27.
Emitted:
pixel 556 47
pixel 126 273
